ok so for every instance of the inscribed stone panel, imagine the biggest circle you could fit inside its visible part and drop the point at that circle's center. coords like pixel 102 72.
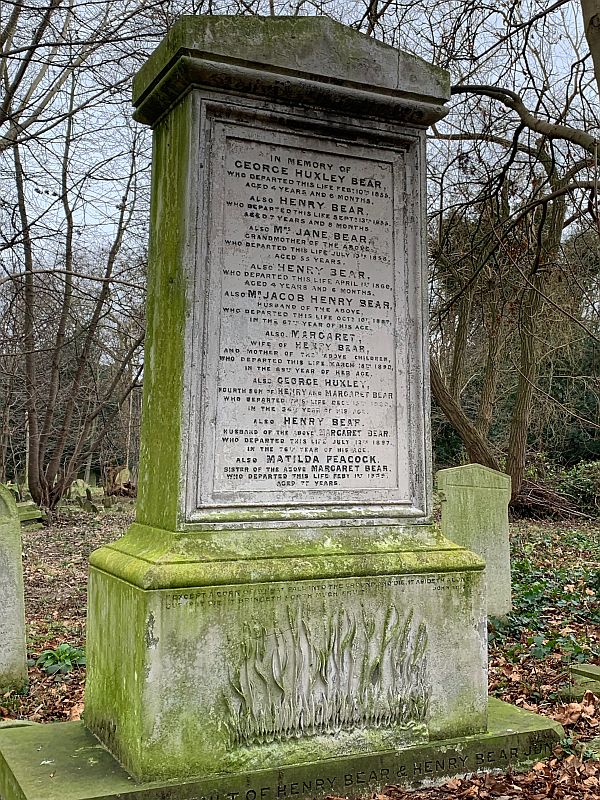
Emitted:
pixel 306 392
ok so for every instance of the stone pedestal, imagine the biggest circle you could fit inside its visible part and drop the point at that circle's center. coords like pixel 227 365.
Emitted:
pixel 282 618
pixel 357 656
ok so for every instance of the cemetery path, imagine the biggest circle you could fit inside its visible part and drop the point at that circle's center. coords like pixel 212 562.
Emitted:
pixel 555 622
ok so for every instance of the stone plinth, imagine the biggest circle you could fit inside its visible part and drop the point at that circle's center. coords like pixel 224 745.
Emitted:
pixel 65 762
pixel 237 676
pixel 13 651
pixel 475 515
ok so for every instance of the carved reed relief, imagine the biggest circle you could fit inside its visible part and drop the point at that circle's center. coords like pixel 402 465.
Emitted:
pixel 350 669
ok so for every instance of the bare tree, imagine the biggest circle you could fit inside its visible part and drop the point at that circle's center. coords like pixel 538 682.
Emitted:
pixel 513 168
pixel 516 167
pixel 71 249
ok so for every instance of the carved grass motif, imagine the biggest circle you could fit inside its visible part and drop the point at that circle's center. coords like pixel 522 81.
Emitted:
pixel 355 669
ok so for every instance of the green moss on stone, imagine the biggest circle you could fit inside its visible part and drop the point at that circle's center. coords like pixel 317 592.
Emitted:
pixel 63 761
pixel 150 557
pixel 116 664
pixel 171 218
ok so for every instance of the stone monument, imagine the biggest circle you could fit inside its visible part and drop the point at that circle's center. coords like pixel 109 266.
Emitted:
pixel 282 619
pixel 475 515
pixel 13 651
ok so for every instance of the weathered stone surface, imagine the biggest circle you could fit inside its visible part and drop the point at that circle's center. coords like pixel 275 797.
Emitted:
pixel 475 515
pixel 321 380
pixel 285 446
pixel 297 60
pixel 586 678
pixel 64 761
pixel 589 672
pixel 28 511
pixel 248 676
pixel 334 341
pixel 13 653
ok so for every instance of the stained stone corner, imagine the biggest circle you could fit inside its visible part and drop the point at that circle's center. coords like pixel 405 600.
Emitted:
pixel 298 60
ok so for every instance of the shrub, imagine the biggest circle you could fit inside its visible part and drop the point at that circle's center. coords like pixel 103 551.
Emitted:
pixel 63 659
pixel 582 483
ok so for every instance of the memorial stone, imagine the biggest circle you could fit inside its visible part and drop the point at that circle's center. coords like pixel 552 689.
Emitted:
pixel 282 618
pixel 475 515
pixel 13 652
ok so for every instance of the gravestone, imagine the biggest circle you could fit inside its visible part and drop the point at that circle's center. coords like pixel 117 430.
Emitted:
pixel 282 618
pixel 13 651
pixel 475 515
pixel 29 512
pixel 301 592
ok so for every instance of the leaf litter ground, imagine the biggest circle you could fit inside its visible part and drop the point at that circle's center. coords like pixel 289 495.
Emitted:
pixel 555 623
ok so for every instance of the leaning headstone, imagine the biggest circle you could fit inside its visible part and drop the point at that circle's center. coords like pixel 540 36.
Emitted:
pixel 283 619
pixel 29 512
pixel 586 676
pixel 475 515
pixel 13 651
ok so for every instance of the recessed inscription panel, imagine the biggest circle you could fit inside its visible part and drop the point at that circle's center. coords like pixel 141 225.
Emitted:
pixel 307 396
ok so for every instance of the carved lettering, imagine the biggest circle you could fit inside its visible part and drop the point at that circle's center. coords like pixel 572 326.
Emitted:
pixel 307 322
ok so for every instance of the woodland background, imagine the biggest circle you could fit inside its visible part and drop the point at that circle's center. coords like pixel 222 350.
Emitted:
pixel 514 232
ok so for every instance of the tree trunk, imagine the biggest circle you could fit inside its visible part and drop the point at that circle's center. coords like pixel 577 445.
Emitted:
pixel 490 382
pixel 478 449
pixel 460 344
pixel 517 442
pixel 35 480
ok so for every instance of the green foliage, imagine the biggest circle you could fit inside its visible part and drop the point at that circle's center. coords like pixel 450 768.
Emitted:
pixel 448 449
pixel 582 483
pixel 62 659
pixel 553 605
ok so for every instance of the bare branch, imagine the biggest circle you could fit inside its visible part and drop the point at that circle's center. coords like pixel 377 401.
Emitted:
pixel 512 100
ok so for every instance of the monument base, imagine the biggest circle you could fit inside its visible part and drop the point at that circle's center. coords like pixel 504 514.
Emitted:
pixel 202 664
pixel 64 761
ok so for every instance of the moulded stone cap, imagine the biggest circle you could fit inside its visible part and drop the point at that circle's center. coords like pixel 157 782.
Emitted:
pixel 475 475
pixel 290 57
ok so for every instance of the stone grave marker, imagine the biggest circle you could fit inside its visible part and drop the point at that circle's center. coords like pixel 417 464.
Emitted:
pixel 475 515
pixel 282 618
pixel 29 513
pixel 13 651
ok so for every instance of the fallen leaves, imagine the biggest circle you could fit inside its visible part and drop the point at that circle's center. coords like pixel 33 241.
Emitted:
pixel 587 710
pixel 56 578
pixel 75 712
pixel 556 779
pixel 55 567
